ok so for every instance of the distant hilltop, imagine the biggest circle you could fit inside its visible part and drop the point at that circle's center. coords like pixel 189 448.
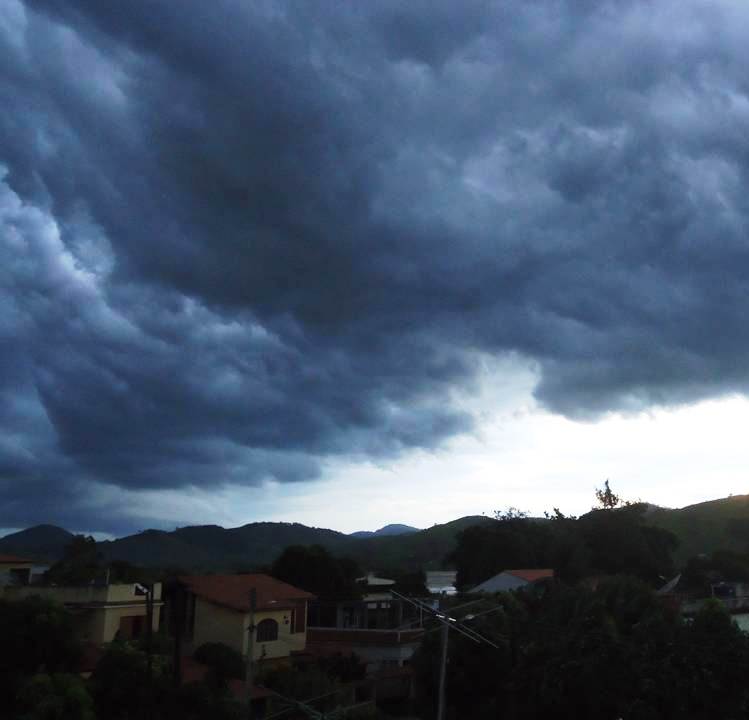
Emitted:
pixel 392 529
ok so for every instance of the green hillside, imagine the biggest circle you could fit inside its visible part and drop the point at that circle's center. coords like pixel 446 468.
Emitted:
pixel 213 548
pixel 707 526
pixel 41 542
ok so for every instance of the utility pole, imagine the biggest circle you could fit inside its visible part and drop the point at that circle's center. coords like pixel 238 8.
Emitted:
pixel 448 623
pixel 178 596
pixel 149 629
pixel 443 673
pixel 250 650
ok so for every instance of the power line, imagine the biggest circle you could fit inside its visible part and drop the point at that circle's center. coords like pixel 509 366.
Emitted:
pixel 447 624
pixel 454 623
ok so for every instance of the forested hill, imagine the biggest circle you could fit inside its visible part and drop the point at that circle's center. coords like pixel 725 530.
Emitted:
pixel 213 548
pixel 708 526
pixel 42 542
pixel 700 528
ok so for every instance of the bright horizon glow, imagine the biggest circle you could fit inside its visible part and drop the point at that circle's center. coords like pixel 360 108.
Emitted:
pixel 520 455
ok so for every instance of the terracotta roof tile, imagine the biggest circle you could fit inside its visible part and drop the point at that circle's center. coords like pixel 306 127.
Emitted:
pixel 233 591
pixel 532 575
pixel 14 559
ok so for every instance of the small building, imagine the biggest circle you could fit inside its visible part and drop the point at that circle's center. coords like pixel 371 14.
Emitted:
pixel 733 595
pixel 382 629
pixel 217 609
pixel 513 580
pixel 100 612
pixel 15 570
pixel 441 582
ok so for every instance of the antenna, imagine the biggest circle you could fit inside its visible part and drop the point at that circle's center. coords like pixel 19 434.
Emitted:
pixel 448 623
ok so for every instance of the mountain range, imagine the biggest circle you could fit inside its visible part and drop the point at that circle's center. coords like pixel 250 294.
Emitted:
pixel 210 547
pixel 700 528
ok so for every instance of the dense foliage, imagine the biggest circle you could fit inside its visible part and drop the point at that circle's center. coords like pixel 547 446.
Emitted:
pixel 54 697
pixel 36 636
pixel 315 570
pixel 40 665
pixel 225 662
pixel 603 542
pixel 701 572
pixel 613 652
pixel 80 564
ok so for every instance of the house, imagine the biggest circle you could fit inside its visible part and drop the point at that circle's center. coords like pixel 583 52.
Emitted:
pixel 441 582
pixel 217 609
pixel 381 629
pixel 688 601
pixel 15 570
pixel 100 612
pixel 513 580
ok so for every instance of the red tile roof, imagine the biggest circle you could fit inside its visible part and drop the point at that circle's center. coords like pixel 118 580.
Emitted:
pixel 532 575
pixel 14 559
pixel 233 591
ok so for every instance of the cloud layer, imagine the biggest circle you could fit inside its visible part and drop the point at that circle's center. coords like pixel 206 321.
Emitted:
pixel 237 239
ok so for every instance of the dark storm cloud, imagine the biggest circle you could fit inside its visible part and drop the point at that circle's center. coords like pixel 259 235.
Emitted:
pixel 240 238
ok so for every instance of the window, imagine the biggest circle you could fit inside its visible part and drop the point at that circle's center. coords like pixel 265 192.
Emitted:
pixel 267 630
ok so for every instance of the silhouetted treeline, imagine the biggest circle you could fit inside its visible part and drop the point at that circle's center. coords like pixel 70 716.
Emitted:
pixel 602 542
pixel 571 652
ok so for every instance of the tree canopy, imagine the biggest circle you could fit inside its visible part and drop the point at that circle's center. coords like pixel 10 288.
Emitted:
pixel 314 569
pixel 602 542
pixel 613 652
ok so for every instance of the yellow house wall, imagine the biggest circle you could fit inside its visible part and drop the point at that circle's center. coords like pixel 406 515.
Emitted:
pixel 287 641
pixel 85 593
pixel 110 622
pixel 95 624
pixel 214 623
pixel 100 625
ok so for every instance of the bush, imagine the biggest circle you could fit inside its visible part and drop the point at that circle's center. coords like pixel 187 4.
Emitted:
pixel 225 662
pixel 121 685
pixel 55 697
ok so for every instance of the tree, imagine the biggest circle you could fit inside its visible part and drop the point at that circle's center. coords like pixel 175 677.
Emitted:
pixel 55 697
pixel 613 652
pixel 225 663
pixel 36 636
pixel 80 563
pixel 622 542
pixel 409 583
pixel 599 542
pixel 485 550
pixel 314 569
pixel 512 513
pixel 121 685
pixel 607 499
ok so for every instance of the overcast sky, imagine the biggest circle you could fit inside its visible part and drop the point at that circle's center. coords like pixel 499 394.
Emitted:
pixel 359 263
